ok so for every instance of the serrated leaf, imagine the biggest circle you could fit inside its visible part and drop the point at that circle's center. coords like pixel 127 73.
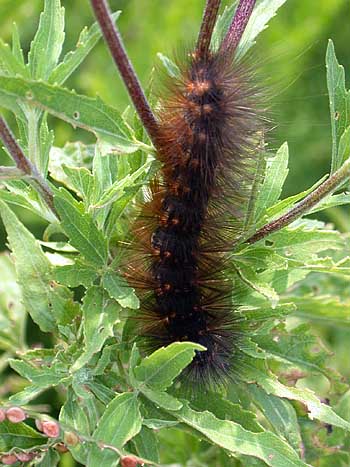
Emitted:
pixel 20 435
pixel 159 369
pixel 118 289
pixel 74 154
pixel 82 182
pixel 75 274
pixel 16 45
pixel 276 174
pixel 32 267
pixel 339 102
pixel 80 228
pixel 87 40
pixel 46 47
pixel 42 376
pixel 280 415
pixel 120 422
pixel 80 111
pixel 235 439
pixel 118 187
pixel 100 314
pixel 255 371
pixel 9 62
pixel 262 14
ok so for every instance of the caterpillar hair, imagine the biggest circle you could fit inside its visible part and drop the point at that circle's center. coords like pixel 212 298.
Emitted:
pixel 206 136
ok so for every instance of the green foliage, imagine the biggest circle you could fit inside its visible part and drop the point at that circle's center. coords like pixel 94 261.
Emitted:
pixel 111 400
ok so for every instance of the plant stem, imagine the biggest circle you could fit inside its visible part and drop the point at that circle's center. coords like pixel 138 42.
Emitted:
pixel 24 165
pixel 304 206
pixel 207 27
pixel 238 25
pixel 126 70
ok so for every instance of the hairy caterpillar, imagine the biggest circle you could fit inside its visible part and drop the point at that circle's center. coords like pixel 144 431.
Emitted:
pixel 206 137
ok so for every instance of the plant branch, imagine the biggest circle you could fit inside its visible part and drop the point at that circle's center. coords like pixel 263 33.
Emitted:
pixel 126 70
pixel 207 27
pixel 304 206
pixel 238 25
pixel 10 173
pixel 24 165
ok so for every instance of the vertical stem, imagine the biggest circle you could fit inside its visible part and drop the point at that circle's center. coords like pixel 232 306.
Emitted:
pixel 207 27
pixel 238 25
pixel 126 70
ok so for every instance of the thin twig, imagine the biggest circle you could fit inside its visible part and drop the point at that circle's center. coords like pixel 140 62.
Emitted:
pixel 24 165
pixel 126 70
pixel 304 206
pixel 207 27
pixel 11 173
pixel 238 25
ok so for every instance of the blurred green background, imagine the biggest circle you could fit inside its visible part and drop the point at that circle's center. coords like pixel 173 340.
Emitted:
pixel 291 53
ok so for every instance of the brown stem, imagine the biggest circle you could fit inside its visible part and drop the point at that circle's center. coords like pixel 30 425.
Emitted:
pixel 126 70
pixel 24 165
pixel 207 27
pixel 238 25
pixel 304 206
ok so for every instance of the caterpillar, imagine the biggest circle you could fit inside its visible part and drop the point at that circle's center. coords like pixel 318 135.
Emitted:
pixel 206 136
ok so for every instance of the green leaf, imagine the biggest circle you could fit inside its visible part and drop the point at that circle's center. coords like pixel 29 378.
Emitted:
pixel 330 309
pixel 19 435
pixel 222 24
pixel 74 415
pixel 51 459
pixel 12 311
pixel 146 444
pixel 344 144
pixel 71 155
pixel 33 269
pixel 100 314
pixel 280 415
pixel 276 174
pixel 87 40
pixel 263 12
pixel 9 62
pixel 118 289
pixel 75 274
pixel 159 370
pixel 339 103
pixel 46 47
pixel 235 439
pixel 254 371
pixel 82 182
pixel 161 399
pixel 116 190
pixel 80 228
pixel 42 376
pixel 120 422
pixel 16 46
pixel 80 111
pixel 171 67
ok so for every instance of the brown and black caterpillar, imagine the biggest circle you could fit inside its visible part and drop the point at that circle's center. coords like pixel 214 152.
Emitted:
pixel 206 137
